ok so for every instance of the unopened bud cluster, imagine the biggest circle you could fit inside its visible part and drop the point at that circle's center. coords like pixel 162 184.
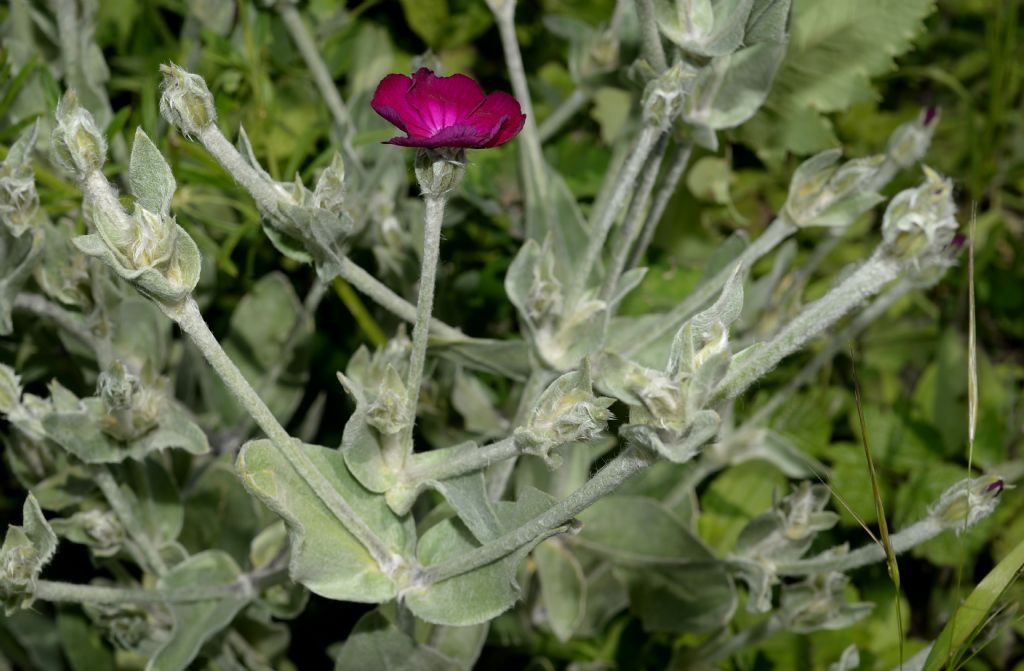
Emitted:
pixel 967 502
pixel 77 141
pixel 909 142
pixel 19 200
pixel 567 412
pixel 919 224
pixel 665 96
pixel 186 103
pixel 131 409
pixel 825 194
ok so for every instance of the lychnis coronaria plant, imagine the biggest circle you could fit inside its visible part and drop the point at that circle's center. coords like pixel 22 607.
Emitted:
pixel 576 428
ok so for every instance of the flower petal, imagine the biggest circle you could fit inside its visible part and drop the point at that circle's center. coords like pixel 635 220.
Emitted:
pixel 500 116
pixel 443 101
pixel 391 102
pixel 459 135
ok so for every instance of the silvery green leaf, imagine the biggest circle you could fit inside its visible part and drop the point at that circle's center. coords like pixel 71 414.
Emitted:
pixel 284 601
pixel 703 382
pixel 155 497
pixel 467 494
pixel 85 69
pixel 704 27
pixel 199 621
pixel 508 358
pixel 168 285
pixel 326 558
pixel 563 590
pixel 638 530
pixel 149 176
pixel 780 451
pixel 733 87
pixel 848 661
pixel 475 401
pixel 519 280
pixel 220 514
pixel 630 280
pixel 26 550
pixel 759 579
pixel 361 445
pixel 376 643
pixel 461 644
pixel 79 431
pixel 687 591
pixel 10 389
pixel 481 594
pixel 699 598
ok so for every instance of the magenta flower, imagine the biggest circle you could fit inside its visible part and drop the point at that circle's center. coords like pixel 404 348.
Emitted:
pixel 451 111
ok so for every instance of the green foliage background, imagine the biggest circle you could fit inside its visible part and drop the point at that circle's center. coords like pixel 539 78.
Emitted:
pixel 839 86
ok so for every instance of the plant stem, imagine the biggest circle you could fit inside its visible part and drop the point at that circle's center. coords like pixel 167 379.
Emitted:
pixel 650 39
pixel 267 195
pixel 245 587
pixel 533 167
pixel 424 308
pixel 775 234
pixel 661 199
pixel 469 462
pixel 629 462
pixel 866 281
pixel 539 379
pixel 324 82
pixel 126 514
pixel 565 111
pixel 631 226
pixel 914 535
pixel 601 225
pixel 192 323
pixel 877 308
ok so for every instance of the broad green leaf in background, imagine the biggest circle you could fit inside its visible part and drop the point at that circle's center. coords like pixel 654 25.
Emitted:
pixel 326 558
pixel 835 48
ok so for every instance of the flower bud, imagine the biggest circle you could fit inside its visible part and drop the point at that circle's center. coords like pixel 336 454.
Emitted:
pixel 819 602
pixel 440 170
pixel 567 412
pixel 126 625
pixel 387 412
pixel 26 549
pixel 19 200
pixel 186 103
pixel 821 194
pixel 77 142
pixel 132 410
pixel 967 502
pixel 909 143
pixel 919 223
pixel 664 96
pixel 330 187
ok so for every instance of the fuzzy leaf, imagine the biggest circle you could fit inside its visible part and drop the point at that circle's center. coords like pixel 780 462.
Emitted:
pixel 375 643
pixel 149 175
pixel 326 558
pixel 563 590
pixel 197 622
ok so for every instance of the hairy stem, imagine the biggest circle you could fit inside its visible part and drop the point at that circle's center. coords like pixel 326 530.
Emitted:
pixel 650 39
pixel 124 511
pixel 914 535
pixel 424 308
pixel 324 82
pixel 565 111
pixel 661 199
pixel 529 140
pixel 865 282
pixel 192 323
pixel 773 236
pixel 601 224
pixel 633 223
pixel 469 462
pixel 629 462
